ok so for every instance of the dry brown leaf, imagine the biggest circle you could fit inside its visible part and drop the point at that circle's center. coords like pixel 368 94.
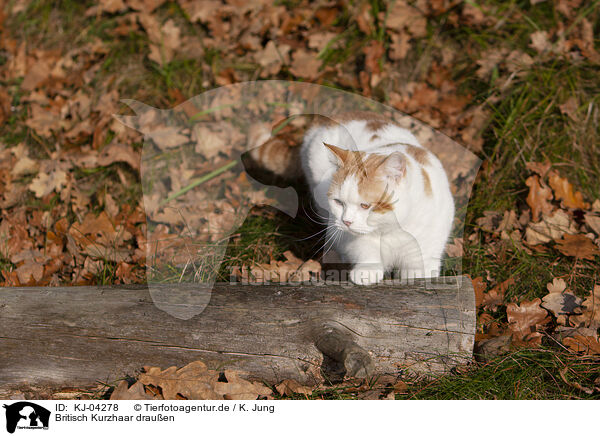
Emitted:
pixel 495 297
pixel 305 64
pixel 144 5
pixel 539 168
pixel 43 120
pixel 289 387
pixel 490 348
pixel 593 222
pixel 479 289
pixel 562 303
pixel 374 51
pixel 456 248
pixel 208 142
pixel 319 39
pixel 169 137
pixel 524 319
pixel 272 58
pixel 509 222
pixel 489 221
pixel 193 382
pixel 400 46
pixel 98 234
pixel 538 198
pixel 200 11
pixel 24 164
pixel 583 344
pixel 490 60
pixel 550 228
pixel 113 254
pixel 590 316
pixel 135 392
pixel 569 108
pixel 112 6
pixel 579 246
pixel 196 382
pixel 37 74
pixel 290 270
pixel 557 285
pixel 518 61
pixel 402 16
pixel 540 41
pixel 30 272
pixel 43 184
pixel 563 191
pixel 236 388
pixel 117 152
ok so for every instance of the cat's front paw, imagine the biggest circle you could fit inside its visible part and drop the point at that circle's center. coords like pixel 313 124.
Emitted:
pixel 363 276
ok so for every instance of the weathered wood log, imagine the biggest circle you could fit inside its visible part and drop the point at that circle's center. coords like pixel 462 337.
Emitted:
pixel 80 335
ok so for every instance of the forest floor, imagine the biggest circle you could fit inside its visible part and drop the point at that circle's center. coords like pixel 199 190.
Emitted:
pixel 515 83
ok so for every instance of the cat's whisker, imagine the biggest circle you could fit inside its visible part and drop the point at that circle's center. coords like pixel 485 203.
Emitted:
pixel 312 208
pixel 329 238
pixel 334 239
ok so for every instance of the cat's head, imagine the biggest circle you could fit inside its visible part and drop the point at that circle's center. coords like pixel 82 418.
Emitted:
pixel 364 189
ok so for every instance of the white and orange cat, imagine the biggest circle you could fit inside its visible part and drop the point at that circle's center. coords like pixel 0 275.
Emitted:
pixel 387 198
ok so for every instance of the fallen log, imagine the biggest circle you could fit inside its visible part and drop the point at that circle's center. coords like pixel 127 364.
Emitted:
pixel 77 336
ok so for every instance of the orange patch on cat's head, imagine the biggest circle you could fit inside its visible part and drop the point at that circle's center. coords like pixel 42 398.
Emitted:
pixel 372 174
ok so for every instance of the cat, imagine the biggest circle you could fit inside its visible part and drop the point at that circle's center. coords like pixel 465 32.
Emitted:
pixel 388 199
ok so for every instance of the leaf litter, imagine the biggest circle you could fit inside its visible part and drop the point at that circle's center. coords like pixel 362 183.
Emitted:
pixel 69 104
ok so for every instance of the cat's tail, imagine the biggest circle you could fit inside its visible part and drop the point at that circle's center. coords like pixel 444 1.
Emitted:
pixel 279 154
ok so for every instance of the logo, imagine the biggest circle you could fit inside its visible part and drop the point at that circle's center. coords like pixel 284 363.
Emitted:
pixel 26 415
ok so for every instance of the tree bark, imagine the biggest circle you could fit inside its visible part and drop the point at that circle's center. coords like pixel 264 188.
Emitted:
pixel 310 332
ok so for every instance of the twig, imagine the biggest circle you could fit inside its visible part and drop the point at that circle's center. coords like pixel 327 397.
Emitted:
pixel 199 181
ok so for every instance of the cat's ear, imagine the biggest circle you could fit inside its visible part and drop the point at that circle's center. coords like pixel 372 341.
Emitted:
pixel 394 166
pixel 340 153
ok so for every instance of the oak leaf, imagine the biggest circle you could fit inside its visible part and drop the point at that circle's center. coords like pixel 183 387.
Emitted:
pixel 570 107
pixel 551 227
pixel 400 46
pixel 583 344
pixel 169 137
pixel 562 303
pixel 538 198
pixel 289 387
pixel 557 285
pixel 590 316
pixel 196 382
pixel 456 248
pixel 579 246
pixel 540 41
pixel 479 289
pixel 305 64
pixel 525 318
pixel 539 168
pixel 43 184
pixel 593 222
pixel 495 297
pixel 563 190
pixel 135 392
pixel 117 152
pixel 272 58
pixel 193 382
pixel 292 269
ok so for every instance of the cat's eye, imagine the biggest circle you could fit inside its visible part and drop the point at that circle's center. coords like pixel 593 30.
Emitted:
pixel 365 205
pixel 338 201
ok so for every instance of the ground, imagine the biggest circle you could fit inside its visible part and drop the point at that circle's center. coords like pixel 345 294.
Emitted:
pixel 514 82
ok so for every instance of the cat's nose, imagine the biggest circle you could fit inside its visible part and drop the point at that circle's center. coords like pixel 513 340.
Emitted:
pixel 347 222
